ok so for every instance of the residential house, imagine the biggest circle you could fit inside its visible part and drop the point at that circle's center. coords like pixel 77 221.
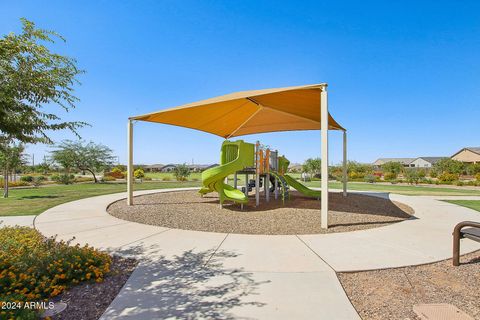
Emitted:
pixel 425 162
pixel 406 162
pixel 468 155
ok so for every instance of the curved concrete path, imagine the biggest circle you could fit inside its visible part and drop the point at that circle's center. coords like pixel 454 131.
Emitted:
pixel 190 274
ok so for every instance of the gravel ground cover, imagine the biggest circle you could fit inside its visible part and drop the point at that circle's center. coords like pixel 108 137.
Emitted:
pixel 392 293
pixel 89 301
pixel 300 215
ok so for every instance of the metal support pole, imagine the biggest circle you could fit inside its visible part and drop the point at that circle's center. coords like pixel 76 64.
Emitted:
pixel 246 184
pixel 324 149
pixel 267 187
pixel 257 174
pixel 130 163
pixel 345 177
pixel 235 180
pixel 276 169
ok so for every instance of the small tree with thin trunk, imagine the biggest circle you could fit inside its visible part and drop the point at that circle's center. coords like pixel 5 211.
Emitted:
pixel 11 157
pixel 89 157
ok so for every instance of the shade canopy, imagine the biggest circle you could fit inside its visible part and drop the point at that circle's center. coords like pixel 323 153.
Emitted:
pixel 249 112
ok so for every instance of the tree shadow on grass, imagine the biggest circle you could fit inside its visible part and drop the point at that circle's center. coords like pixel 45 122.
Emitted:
pixel 38 197
pixel 192 285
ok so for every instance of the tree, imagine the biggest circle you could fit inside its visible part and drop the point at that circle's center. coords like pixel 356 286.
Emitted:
pixel 32 78
pixel 89 157
pixel 392 167
pixel 312 166
pixel 11 157
pixel 448 165
pixel 182 171
pixel 139 174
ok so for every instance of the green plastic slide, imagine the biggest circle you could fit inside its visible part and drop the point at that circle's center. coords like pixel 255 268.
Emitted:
pixel 235 156
pixel 302 188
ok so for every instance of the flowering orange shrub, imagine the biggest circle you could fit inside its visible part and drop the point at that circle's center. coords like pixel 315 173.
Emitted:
pixel 35 268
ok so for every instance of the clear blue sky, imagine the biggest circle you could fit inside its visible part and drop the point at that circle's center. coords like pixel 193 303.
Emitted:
pixel 404 76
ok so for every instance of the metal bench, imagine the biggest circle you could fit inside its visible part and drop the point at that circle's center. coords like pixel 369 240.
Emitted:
pixel 472 233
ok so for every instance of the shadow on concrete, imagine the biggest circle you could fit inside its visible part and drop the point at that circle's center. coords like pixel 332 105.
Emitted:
pixel 189 286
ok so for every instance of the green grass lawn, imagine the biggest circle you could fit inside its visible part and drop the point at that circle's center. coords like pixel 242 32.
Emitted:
pixel 405 190
pixel 36 200
pixel 169 175
pixel 472 204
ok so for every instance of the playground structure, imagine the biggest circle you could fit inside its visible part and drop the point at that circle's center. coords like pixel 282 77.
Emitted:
pixel 250 112
pixel 252 160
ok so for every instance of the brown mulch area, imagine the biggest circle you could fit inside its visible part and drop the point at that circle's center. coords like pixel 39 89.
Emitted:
pixel 88 301
pixel 392 293
pixel 300 215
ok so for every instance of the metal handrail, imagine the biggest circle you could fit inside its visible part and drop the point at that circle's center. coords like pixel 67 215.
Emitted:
pixel 457 235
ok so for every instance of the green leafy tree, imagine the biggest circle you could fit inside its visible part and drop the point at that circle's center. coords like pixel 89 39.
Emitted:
pixel 451 166
pixel 181 172
pixel 393 168
pixel 312 166
pixel 32 81
pixel 89 157
pixel 11 157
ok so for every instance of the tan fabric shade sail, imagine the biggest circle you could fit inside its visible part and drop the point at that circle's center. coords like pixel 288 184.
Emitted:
pixel 249 112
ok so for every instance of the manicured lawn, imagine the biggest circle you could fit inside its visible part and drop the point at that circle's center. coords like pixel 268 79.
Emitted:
pixel 37 200
pixel 472 204
pixel 169 175
pixel 405 190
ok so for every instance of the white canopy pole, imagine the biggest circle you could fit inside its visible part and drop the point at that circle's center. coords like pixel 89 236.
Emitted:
pixel 324 148
pixel 345 177
pixel 130 163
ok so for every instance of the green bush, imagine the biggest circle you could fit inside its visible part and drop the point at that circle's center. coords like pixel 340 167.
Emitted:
pixel 477 177
pixel 38 180
pixel 181 172
pixel 389 176
pixel 26 178
pixel 35 268
pixel 448 177
pixel 167 178
pixel 459 183
pixel 84 179
pixel 108 178
pixel 370 178
pixel 65 178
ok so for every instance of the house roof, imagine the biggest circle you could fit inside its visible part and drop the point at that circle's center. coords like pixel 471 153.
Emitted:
pixel 431 160
pixel 401 160
pixel 472 149
pixel 249 112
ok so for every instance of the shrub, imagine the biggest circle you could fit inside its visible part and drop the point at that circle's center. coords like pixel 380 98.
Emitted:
pixel 448 177
pixel 147 178
pixel 389 176
pixel 116 173
pixel 459 183
pixel 14 184
pixel 412 176
pixel 370 178
pixel 181 172
pixel 66 178
pixel 139 173
pixel 26 178
pixel 39 180
pixel 35 268
pixel 477 177
pixel 55 177
pixel 107 178
pixel 84 179
pixel 167 178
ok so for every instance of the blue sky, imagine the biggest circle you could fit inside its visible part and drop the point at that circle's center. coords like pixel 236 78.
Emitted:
pixel 403 76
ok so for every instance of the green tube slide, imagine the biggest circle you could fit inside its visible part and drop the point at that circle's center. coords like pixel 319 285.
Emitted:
pixel 235 156
pixel 302 188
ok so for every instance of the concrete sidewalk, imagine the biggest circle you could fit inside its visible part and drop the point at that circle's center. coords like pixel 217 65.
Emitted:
pixel 23 221
pixel 191 274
